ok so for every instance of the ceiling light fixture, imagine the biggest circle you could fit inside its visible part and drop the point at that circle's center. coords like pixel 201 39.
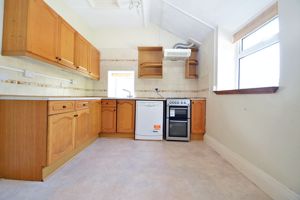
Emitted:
pixel 135 4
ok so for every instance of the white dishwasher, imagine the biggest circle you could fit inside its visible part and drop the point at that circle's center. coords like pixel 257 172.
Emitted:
pixel 149 120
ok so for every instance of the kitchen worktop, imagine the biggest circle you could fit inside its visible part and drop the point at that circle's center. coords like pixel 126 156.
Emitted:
pixel 69 98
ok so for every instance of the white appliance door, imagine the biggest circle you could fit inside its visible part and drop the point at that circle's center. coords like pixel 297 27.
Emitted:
pixel 149 120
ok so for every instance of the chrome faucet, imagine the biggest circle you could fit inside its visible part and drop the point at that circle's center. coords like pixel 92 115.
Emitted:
pixel 129 93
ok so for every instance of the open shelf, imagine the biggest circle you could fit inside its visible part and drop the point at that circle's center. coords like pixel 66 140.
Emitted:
pixel 191 65
pixel 150 62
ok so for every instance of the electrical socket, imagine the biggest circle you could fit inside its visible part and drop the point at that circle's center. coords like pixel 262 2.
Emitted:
pixel 28 74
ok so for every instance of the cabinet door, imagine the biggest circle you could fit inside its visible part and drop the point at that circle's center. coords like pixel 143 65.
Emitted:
pixel 66 44
pixel 95 118
pixel 198 118
pixel 82 127
pixel 125 116
pixel 108 119
pixel 61 132
pixel 82 59
pixel 42 30
pixel 95 63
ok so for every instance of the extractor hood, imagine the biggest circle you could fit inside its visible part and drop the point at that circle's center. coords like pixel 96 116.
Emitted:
pixel 177 54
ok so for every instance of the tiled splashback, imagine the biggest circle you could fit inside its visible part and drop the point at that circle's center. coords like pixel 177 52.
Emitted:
pixel 54 83
pixel 173 83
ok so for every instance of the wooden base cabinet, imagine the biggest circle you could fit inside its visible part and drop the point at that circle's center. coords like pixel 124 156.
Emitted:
pixel 125 116
pixel 82 127
pixel 37 137
pixel 61 135
pixel 118 118
pixel 198 119
pixel 109 116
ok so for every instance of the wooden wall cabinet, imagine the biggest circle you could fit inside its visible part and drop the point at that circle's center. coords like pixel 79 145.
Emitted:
pixel 66 44
pixel 125 116
pixel 109 116
pixel 198 116
pixel 31 28
pixel 94 69
pixel 192 65
pixel 82 53
pixel 150 62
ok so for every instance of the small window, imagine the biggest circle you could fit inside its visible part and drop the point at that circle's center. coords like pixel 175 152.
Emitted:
pixel 121 84
pixel 259 57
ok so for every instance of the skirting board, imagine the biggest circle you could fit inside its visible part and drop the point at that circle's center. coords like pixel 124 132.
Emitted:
pixel 264 181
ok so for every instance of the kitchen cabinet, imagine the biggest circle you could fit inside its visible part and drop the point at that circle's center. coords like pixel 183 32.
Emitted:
pixel 31 28
pixel 66 44
pixel 198 119
pixel 82 127
pixel 192 65
pixel 61 132
pixel 109 116
pixel 94 63
pixel 118 118
pixel 125 116
pixel 95 118
pixel 150 62
pixel 38 136
pixel 82 54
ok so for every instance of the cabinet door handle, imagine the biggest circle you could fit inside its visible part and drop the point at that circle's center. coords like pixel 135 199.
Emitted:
pixel 64 107
pixel 76 115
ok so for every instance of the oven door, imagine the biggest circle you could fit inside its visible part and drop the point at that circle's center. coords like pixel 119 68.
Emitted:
pixel 178 130
pixel 178 113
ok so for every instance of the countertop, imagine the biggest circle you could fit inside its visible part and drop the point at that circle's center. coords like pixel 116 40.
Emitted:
pixel 73 98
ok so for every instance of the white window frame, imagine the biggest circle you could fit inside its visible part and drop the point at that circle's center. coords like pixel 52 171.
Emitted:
pixel 256 48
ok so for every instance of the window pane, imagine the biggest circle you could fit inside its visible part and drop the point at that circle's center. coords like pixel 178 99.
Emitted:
pixel 260 69
pixel 264 33
pixel 120 84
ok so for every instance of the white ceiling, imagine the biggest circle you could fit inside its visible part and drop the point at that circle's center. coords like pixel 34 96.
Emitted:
pixel 184 18
pixel 107 13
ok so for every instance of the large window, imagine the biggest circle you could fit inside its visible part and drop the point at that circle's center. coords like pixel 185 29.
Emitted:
pixel 121 84
pixel 259 57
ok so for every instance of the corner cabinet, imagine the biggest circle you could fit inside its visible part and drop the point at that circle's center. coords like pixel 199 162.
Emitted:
pixel 31 28
pixel 150 62
pixel 198 116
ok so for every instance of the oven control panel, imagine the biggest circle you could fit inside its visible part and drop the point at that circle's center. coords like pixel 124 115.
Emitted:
pixel 178 102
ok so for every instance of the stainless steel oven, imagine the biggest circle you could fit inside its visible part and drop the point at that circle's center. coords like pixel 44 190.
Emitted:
pixel 178 119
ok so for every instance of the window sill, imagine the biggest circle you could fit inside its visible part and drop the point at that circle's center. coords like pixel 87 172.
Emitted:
pixel 264 90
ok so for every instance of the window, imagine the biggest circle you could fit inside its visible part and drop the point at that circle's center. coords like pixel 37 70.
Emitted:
pixel 259 57
pixel 121 84
pixel 251 63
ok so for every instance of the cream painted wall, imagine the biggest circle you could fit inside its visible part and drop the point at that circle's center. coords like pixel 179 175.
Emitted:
pixel 265 129
pixel 13 83
pixel 119 52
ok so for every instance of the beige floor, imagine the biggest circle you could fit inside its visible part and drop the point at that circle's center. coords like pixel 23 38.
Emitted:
pixel 115 169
